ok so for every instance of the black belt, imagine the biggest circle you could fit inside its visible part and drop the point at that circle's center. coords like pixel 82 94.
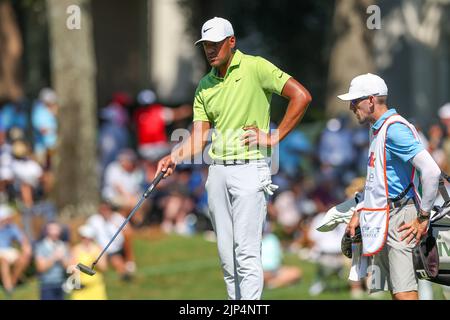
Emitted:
pixel 232 162
pixel 400 203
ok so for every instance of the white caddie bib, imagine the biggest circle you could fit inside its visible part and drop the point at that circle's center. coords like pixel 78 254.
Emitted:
pixel 374 216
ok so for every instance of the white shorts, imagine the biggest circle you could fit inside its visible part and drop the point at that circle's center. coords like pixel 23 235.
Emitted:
pixel 9 254
pixel 393 267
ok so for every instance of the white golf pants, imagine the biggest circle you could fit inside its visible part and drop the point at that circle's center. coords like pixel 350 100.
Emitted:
pixel 238 207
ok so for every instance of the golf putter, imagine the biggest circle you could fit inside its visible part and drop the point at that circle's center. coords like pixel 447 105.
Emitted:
pixel 90 270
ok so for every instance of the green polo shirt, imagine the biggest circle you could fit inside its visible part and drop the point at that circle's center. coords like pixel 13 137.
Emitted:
pixel 242 98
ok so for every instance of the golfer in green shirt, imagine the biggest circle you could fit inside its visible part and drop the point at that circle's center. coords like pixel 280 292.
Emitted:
pixel 233 100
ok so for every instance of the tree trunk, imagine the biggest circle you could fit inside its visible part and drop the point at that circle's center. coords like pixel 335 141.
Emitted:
pixel 352 52
pixel 10 53
pixel 73 73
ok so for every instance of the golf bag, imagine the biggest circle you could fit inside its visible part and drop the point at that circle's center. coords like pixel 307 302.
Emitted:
pixel 432 256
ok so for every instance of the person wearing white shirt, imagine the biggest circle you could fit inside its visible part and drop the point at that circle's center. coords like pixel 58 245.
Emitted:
pixel 123 185
pixel 105 223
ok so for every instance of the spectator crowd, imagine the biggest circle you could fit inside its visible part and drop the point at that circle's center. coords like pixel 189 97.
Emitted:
pixel 316 172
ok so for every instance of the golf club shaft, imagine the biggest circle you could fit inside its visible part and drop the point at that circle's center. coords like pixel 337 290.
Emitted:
pixel 144 196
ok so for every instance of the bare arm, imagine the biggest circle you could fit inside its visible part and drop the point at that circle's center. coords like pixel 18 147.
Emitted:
pixel 59 255
pixel 188 149
pixel 183 111
pixel 299 99
pixel 26 246
pixel 43 264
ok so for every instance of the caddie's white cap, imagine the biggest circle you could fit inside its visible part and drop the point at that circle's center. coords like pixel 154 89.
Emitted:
pixel 48 95
pixel 5 211
pixel 215 30
pixel 444 111
pixel 365 85
pixel 86 231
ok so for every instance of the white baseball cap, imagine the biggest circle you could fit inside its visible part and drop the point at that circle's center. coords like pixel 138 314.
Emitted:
pixel 5 211
pixel 146 97
pixel 444 111
pixel 86 231
pixel 365 85
pixel 48 95
pixel 215 30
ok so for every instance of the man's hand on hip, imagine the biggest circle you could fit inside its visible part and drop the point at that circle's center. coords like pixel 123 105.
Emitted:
pixel 415 229
pixel 254 136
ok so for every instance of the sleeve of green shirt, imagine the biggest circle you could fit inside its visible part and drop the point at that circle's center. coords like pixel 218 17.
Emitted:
pixel 270 76
pixel 199 107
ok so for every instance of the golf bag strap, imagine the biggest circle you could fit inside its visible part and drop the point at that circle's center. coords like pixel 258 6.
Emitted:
pixel 442 188
pixel 402 194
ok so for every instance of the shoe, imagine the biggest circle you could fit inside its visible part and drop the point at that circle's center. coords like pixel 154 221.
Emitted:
pixel 210 236
pixel 126 277
pixel 167 227
pixel 357 294
pixel 9 293
pixel 316 289
pixel 130 266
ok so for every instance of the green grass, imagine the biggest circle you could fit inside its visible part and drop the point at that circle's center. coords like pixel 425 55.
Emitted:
pixel 174 267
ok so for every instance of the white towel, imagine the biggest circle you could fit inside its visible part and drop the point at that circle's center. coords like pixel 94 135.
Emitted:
pixel 360 263
pixel 341 213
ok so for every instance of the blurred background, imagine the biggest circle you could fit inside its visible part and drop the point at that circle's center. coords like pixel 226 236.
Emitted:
pixel 91 90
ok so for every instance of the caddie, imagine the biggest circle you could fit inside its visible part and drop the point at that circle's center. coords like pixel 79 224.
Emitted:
pixel 400 189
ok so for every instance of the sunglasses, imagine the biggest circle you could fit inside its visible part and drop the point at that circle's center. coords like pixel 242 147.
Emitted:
pixel 354 102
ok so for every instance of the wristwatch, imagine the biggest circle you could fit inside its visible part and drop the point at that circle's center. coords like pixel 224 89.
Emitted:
pixel 423 217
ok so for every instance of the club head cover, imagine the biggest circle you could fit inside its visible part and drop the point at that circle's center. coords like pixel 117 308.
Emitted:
pixel 347 241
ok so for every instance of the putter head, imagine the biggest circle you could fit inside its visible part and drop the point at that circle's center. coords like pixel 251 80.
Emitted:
pixel 85 269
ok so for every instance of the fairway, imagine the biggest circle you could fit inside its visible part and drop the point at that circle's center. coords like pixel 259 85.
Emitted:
pixel 175 267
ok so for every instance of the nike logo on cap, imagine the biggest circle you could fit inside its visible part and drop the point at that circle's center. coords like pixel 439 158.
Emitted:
pixel 206 29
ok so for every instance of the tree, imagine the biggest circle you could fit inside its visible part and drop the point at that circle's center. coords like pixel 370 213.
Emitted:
pixel 73 73
pixel 10 53
pixel 352 51
pixel 292 34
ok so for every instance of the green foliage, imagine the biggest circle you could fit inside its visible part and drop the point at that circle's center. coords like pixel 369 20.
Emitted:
pixel 295 35
pixel 174 267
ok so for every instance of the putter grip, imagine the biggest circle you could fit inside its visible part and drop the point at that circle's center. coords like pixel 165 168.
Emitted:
pixel 153 184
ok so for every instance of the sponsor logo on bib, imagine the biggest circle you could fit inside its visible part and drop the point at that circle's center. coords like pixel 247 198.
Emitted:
pixel 372 160
pixel 370 232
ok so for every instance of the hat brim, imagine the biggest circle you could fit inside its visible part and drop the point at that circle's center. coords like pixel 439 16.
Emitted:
pixel 87 236
pixel 350 96
pixel 212 39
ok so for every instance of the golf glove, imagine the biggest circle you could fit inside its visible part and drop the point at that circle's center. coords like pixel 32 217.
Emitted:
pixel 269 187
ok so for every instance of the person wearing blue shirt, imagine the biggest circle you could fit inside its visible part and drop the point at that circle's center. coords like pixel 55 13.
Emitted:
pixel 13 115
pixel 13 261
pixel 45 124
pixel 400 148
pixel 394 217
pixel 292 150
pixel 52 259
